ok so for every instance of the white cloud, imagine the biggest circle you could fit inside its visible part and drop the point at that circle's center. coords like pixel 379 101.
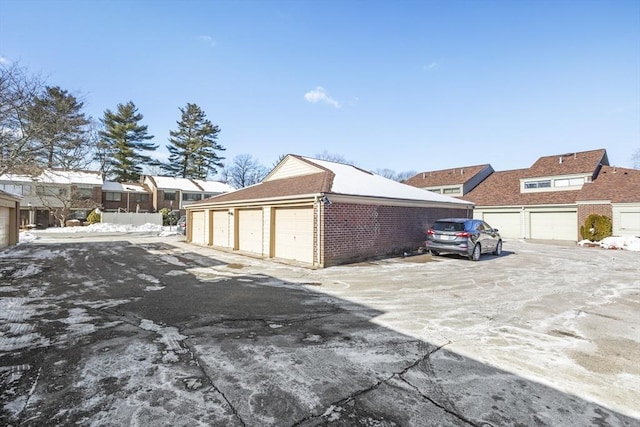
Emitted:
pixel 320 95
pixel 4 61
pixel 430 66
pixel 208 39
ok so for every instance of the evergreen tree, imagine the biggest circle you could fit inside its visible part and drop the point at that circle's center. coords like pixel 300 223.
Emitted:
pixel 57 120
pixel 125 139
pixel 193 146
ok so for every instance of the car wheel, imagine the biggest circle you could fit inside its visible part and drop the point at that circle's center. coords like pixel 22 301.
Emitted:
pixel 434 253
pixel 498 250
pixel 475 255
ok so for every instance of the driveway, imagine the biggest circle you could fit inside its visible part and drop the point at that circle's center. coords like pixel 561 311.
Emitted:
pixel 153 331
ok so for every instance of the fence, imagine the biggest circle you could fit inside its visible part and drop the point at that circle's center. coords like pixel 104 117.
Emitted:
pixel 131 218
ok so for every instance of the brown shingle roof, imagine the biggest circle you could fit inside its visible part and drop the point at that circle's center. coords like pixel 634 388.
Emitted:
pixel 503 189
pixel 298 185
pixel 620 185
pixel 569 163
pixel 453 176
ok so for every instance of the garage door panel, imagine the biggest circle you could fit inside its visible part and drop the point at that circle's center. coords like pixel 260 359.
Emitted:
pixel 629 223
pixel 554 225
pixel 250 230
pixel 509 224
pixel 221 229
pixel 293 236
pixel 198 228
pixel 4 227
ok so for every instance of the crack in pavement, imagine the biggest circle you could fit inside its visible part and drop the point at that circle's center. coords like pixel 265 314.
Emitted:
pixel 204 372
pixel 29 395
pixel 375 386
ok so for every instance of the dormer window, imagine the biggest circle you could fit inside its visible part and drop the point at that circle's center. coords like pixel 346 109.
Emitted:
pixel 568 182
pixel 538 184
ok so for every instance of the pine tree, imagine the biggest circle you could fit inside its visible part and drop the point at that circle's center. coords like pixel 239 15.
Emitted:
pixel 57 120
pixel 193 146
pixel 125 139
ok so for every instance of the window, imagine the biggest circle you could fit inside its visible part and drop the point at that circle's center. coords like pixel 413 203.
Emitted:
pixel 19 189
pixel 111 196
pixel 142 197
pixel 169 195
pixel 455 190
pixel 538 184
pixel 191 196
pixel 84 193
pixel 572 182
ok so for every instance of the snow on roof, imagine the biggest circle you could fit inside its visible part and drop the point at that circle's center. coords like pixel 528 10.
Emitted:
pixel 351 180
pixel 214 186
pixel 123 187
pixel 184 184
pixel 51 176
pixel 195 185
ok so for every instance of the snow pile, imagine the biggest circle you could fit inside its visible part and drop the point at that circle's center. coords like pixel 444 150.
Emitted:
pixel 30 236
pixel 627 243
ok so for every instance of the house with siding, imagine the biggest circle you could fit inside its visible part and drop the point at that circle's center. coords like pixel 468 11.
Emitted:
pixel 552 199
pixel 54 192
pixel 320 213
pixel 126 197
pixel 454 182
pixel 176 193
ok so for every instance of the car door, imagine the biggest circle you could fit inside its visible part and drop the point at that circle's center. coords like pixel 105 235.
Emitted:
pixel 490 240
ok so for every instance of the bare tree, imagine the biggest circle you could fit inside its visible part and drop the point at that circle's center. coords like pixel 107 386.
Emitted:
pixel 336 158
pixel 19 146
pixel 636 159
pixel 244 171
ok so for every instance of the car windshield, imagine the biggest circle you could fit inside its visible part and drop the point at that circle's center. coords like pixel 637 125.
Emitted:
pixel 448 226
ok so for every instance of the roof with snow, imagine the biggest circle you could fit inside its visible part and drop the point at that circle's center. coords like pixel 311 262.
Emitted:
pixel 124 187
pixel 190 185
pixel 304 176
pixel 55 176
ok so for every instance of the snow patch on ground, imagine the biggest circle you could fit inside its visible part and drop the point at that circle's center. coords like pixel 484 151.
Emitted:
pixel 627 243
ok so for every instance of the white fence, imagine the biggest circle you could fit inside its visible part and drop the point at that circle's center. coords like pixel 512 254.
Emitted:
pixel 131 218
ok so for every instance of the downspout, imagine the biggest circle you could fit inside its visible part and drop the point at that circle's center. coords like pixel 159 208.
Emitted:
pixel 319 204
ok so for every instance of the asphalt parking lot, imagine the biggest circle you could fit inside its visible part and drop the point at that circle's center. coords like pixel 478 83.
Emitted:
pixel 152 331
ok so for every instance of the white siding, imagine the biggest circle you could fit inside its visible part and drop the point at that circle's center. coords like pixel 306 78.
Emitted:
pixel 293 167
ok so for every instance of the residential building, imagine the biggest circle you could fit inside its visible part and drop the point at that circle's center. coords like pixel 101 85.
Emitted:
pixel 552 198
pixel 177 193
pixel 54 195
pixel 454 182
pixel 126 197
pixel 320 213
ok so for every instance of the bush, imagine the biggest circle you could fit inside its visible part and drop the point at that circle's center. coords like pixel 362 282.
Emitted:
pixel 94 217
pixel 596 228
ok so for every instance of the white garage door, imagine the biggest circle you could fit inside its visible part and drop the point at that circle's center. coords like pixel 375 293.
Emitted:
pixel 250 230
pixel 626 221
pixel 4 227
pixel 509 224
pixel 554 225
pixel 293 236
pixel 221 229
pixel 198 228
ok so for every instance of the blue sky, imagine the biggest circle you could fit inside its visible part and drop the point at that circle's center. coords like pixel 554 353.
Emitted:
pixel 401 85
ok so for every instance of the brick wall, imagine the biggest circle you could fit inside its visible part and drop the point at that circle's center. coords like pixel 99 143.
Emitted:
pixel 585 210
pixel 354 232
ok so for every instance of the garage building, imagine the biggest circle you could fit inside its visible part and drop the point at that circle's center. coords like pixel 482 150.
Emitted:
pixel 9 214
pixel 320 213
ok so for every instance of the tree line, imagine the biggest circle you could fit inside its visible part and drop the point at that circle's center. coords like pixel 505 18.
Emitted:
pixel 43 126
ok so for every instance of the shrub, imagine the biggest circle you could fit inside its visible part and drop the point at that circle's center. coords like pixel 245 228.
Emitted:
pixel 94 217
pixel 596 228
